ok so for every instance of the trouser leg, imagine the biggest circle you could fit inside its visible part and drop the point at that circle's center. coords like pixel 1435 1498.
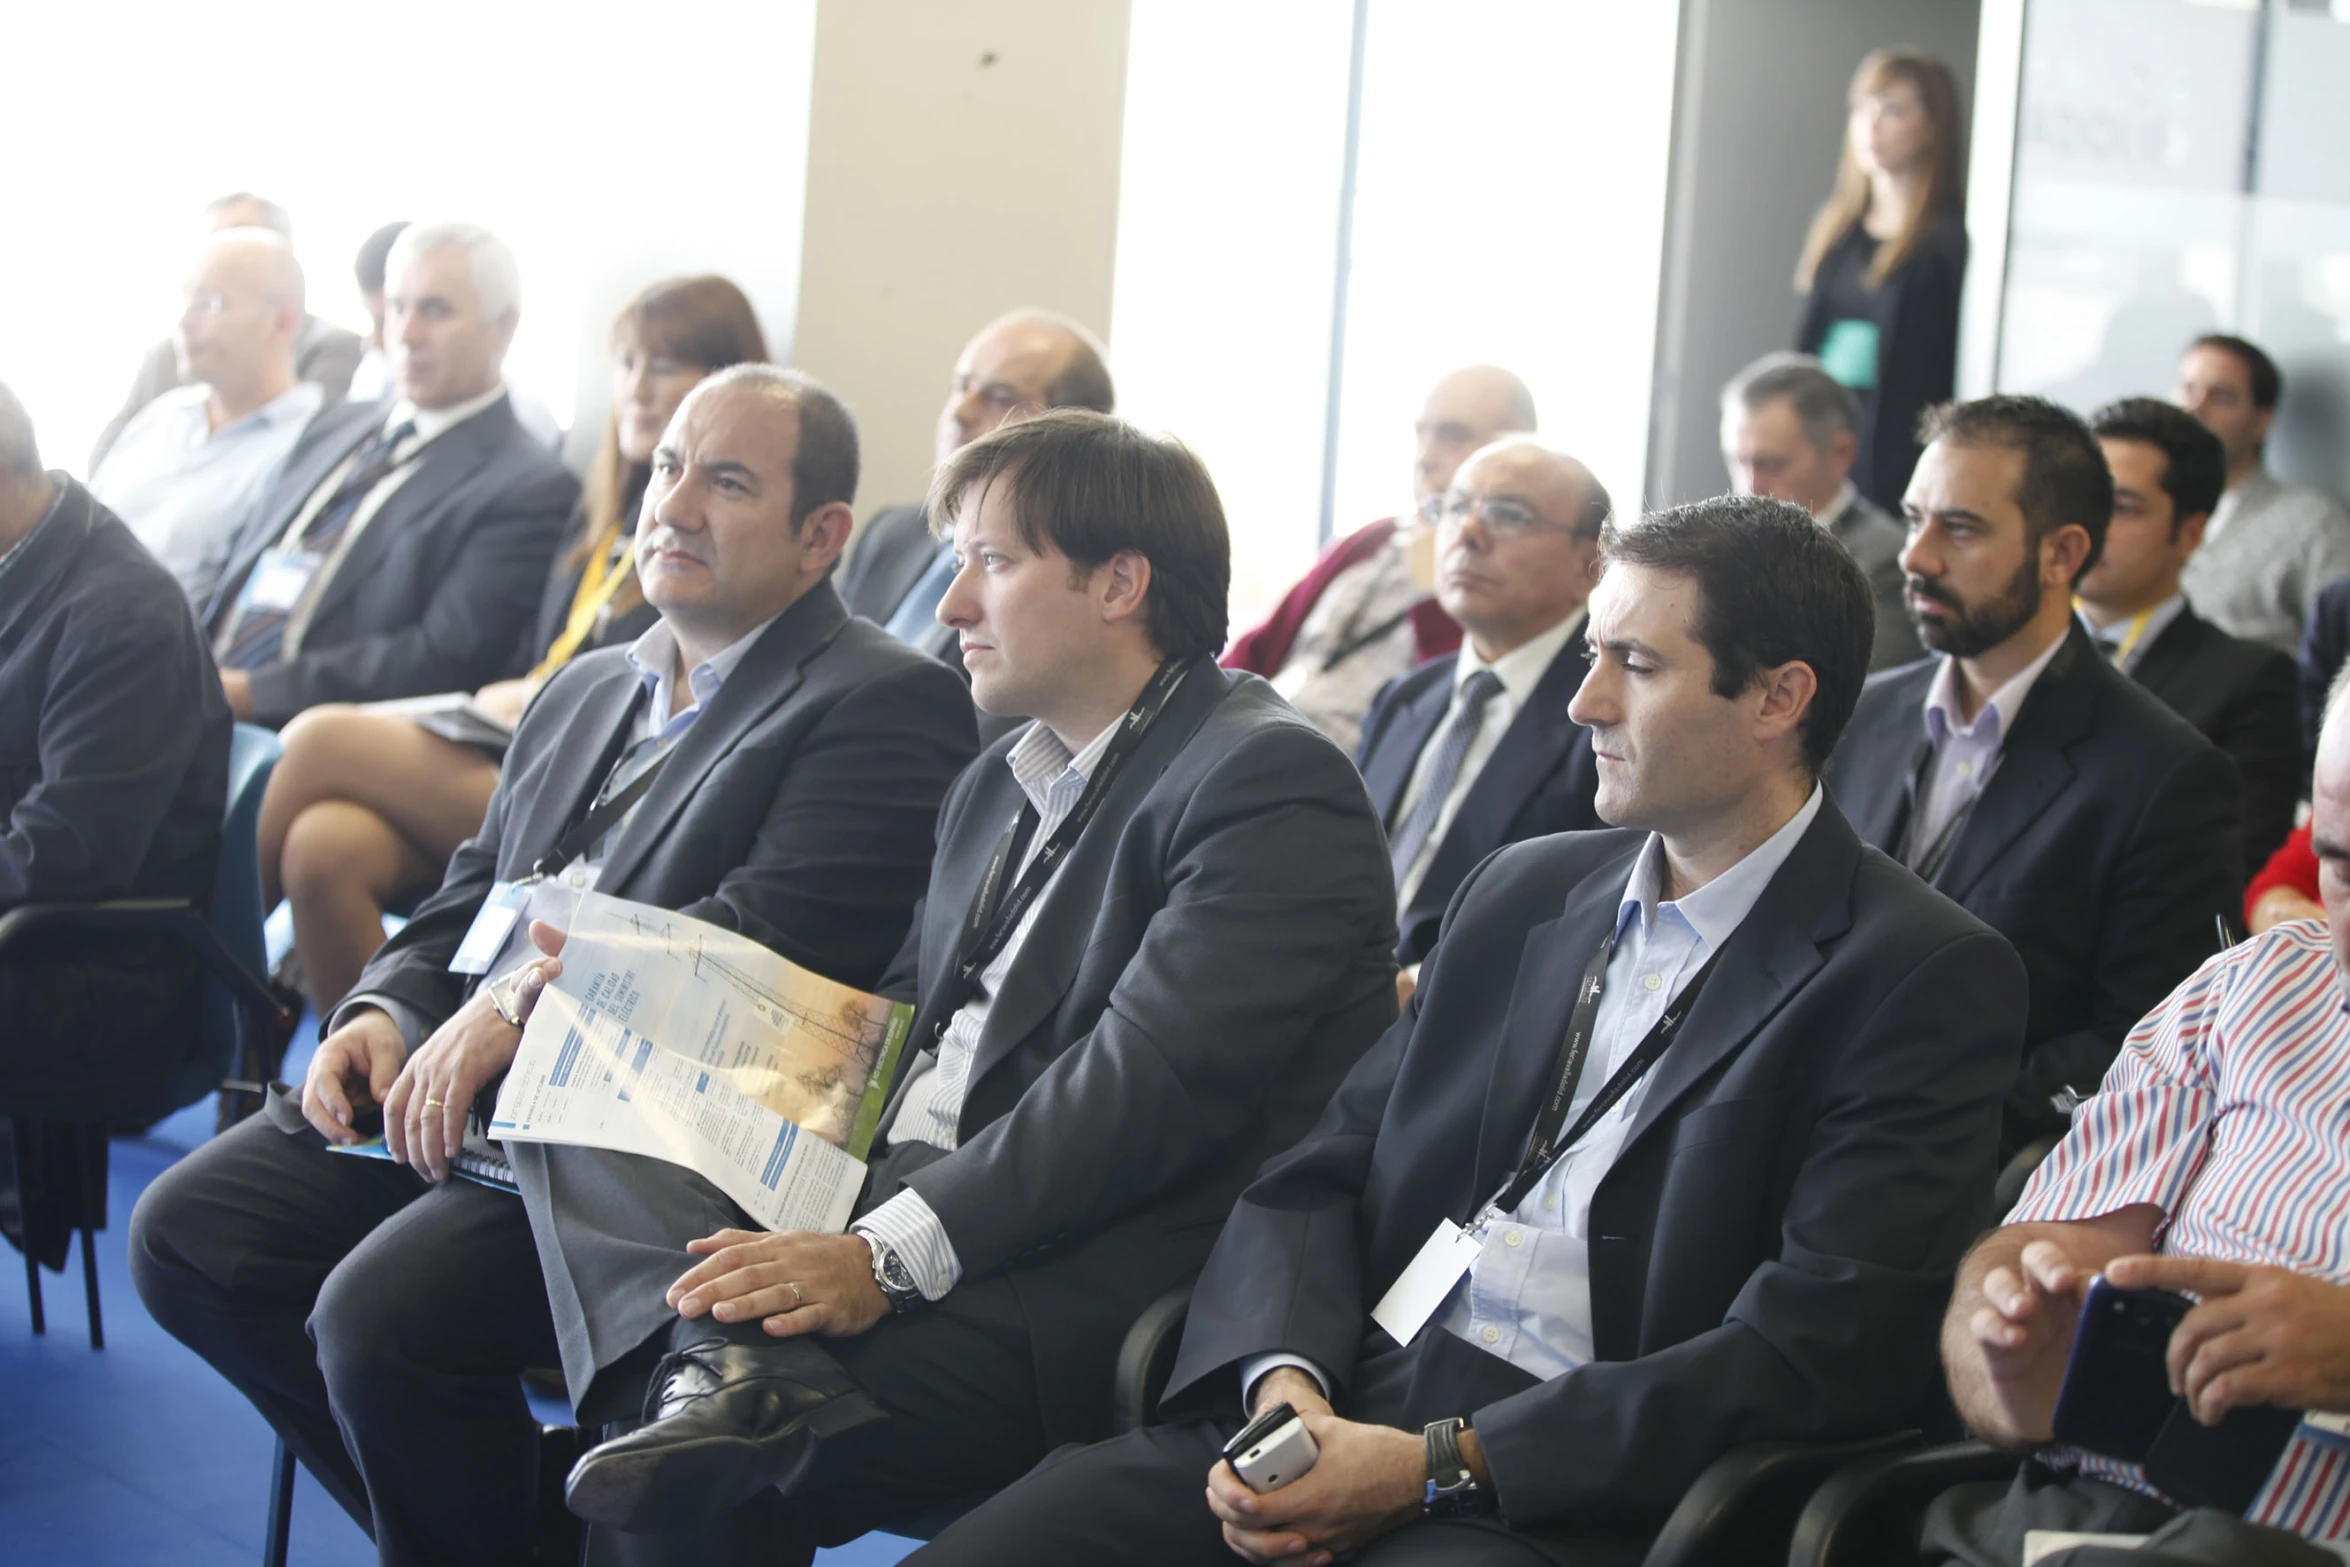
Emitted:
pixel 1984 1525
pixel 229 1248
pixel 1136 1499
pixel 423 1333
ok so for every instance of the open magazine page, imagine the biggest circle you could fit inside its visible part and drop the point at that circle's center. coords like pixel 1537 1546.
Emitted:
pixel 677 1040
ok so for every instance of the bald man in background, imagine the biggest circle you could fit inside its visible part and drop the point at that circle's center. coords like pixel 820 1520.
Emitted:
pixel 323 352
pixel 898 571
pixel 189 465
pixel 1366 612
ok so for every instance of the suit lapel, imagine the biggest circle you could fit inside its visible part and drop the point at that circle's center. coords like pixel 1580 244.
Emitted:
pixel 904 566
pixel 1390 771
pixel 2172 654
pixel 1530 751
pixel 266 526
pixel 761 683
pixel 2033 766
pixel 445 463
pixel 586 752
pixel 1881 762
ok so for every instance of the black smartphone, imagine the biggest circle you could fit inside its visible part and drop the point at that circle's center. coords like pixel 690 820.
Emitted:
pixel 2116 1393
pixel 2220 1466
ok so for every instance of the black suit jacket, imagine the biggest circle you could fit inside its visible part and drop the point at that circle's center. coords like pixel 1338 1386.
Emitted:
pixel 433 592
pixel 2104 848
pixel 1917 355
pixel 1217 952
pixel 797 810
pixel 2325 644
pixel 2245 698
pixel 1774 1244
pixel 1540 778
pixel 893 550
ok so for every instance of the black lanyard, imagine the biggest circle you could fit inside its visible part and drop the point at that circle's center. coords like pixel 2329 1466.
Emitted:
pixel 604 813
pixel 1548 1145
pixel 996 911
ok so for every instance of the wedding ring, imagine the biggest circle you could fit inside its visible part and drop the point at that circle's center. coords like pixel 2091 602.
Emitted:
pixel 432 1104
pixel 799 1296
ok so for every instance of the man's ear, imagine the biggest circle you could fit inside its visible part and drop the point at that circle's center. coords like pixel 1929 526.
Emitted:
pixel 1126 583
pixel 1843 451
pixel 1787 694
pixel 2190 532
pixel 2064 551
pixel 824 533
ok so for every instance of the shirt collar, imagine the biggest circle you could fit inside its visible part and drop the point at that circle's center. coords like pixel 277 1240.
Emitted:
pixel 432 423
pixel 295 404
pixel 1833 513
pixel 2158 621
pixel 1039 759
pixel 1719 907
pixel 1997 715
pixel 64 484
pixel 1521 669
pixel 654 657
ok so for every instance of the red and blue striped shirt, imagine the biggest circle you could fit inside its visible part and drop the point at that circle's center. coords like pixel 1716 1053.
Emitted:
pixel 2229 1109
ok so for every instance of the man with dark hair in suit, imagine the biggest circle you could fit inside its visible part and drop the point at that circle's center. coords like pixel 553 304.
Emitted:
pixel 1517 550
pixel 1127 1000
pixel 2019 773
pixel 1737 1220
pixel 389 556
pixel 2244 697
pixel 1027 360
pixel 759 759
pixel 115 744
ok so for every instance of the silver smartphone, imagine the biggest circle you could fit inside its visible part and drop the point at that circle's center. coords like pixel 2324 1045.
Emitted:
pixel 1272 1450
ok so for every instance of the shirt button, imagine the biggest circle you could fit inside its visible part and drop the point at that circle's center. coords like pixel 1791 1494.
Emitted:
pixel 1654 981
pixel 1550 1204
pixel 1513 1238
pixel 1966 769
pixel 1491 1335
pixel 579 879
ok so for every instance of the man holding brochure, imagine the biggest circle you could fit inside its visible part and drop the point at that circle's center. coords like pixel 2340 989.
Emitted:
pixel 1676 1147
pixel 1160 929
pixel 759 761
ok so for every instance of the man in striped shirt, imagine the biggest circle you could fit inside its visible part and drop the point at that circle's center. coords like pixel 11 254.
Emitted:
pixel 2214 1161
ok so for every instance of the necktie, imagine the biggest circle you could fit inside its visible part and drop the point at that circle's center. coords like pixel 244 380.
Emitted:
pixel 917 612
pixel 1452 749
pixel 258 635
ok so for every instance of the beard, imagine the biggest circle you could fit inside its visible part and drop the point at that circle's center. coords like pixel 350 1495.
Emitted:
pixel 1975 629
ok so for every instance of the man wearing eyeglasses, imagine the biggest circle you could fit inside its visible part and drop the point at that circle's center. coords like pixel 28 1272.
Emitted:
pixel 1365 613
pixel 1475 750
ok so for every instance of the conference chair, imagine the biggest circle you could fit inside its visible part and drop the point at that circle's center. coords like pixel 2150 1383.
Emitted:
pixel 234 1007
pixel 1873 1510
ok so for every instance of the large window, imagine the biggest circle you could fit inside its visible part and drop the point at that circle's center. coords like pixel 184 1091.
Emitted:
pixel 1509 207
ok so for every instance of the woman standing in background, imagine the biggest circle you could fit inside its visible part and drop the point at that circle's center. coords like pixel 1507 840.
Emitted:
pixel 1881 268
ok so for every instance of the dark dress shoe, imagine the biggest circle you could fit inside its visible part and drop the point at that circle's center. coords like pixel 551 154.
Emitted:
pixel 722 1423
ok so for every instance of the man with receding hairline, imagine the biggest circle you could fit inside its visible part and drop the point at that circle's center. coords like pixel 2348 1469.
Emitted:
pixel 186 469
pixel 1367 611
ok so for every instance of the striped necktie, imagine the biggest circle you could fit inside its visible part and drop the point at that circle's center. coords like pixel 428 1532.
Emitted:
pixel 257 636
pixel 1452 749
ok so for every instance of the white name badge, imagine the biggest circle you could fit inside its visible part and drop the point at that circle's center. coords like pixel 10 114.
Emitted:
pixel 1413 1298
pixel 492 923
pixel 280 578
pixel 2327 1430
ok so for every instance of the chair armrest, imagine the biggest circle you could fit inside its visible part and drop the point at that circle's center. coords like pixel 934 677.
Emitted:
pixel 174 917
pixel 2018 1170
pixel 1871 1510
pixel 1742 1510
pixel 1146 1359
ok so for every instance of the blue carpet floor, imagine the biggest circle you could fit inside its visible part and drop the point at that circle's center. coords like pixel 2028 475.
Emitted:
pixel 138 1453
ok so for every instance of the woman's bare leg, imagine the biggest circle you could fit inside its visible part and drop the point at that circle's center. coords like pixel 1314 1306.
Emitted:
pixel 343 863
pixel 430 792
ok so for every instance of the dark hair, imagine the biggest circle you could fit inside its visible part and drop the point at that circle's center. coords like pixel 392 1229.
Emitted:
pixel 2065 482
pixel 2194 466
pixel 375 252
pixel 20 454
pixel 1090 485
pixel 1823 405
pixel 824 460
pixel 1774 587
pixel 2268 382
pixel 273 216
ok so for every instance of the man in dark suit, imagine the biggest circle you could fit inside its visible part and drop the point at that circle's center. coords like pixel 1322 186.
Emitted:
pixel 1029 359
pixel 389 556
pixel 759 759
pixel 1126 1004
pixel 1791 431
pixel 2243 696
pixel 2022 776
pixel 1517 551
pixel 1754 1239
pixel 113 771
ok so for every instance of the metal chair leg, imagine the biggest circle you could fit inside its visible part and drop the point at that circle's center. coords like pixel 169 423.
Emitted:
pixel 281 1507
pixel 93 1190
pixel 24 1214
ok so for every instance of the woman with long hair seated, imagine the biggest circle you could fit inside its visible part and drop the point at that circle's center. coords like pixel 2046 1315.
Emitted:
pixel 367 805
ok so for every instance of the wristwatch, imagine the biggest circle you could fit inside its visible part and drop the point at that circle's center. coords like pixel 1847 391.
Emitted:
pixel 505 993
pixel 1453 1491
pixel 892 1274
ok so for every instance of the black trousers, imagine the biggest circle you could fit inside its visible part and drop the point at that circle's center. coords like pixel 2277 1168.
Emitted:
pixel 1985 1525
pixel 380 1325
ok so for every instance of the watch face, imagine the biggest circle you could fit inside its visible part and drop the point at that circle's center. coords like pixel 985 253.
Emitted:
pixel 895 1274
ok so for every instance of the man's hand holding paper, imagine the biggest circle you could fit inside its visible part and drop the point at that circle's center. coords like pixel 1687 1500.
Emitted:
pixel 425 1112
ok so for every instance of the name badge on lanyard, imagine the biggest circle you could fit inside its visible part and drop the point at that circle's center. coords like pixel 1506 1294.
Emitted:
pixel 1425 1282
pixel 280 578
pixel 493 922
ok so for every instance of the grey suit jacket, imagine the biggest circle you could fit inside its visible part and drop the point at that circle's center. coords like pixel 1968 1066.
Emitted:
pixel 323 352
pixel 431 593
pixel 1875 539
pixel 1216 953
pixel 797 810
pixel 892 552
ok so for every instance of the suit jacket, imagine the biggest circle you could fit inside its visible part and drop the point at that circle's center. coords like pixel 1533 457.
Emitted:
pixel 796 810
pixel 1217 952
pixel 431 592
pixel 2245 698
pixel 114 740
pixel 894 550
pixel 1263 649
pixel 2325 644
pixel 1917 355
pixel 1541 778
pixel 323 352
pixel 1875 540
pixel 1774 1244
pixel 2103 848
